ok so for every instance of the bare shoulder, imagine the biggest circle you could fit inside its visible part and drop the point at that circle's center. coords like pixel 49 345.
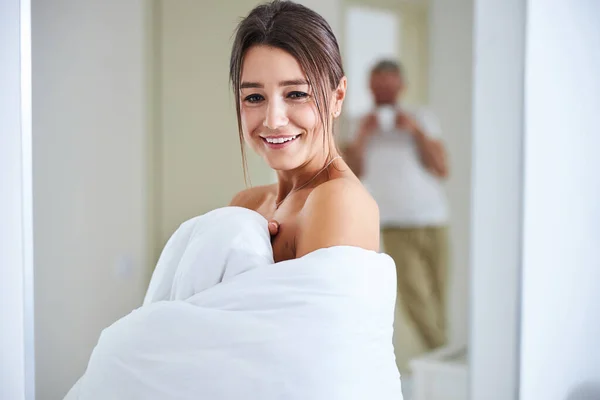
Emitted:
pixel 251 198
pixel 346 194
pixel 339 212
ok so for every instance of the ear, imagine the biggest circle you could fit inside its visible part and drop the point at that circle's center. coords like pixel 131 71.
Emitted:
pixel 339 94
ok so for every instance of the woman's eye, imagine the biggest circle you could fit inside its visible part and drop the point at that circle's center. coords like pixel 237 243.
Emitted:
pixel 253 98
pixel 297 95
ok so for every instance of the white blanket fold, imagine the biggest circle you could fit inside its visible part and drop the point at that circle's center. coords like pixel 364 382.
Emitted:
pixel 221 321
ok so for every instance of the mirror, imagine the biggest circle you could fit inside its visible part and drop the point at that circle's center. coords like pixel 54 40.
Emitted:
pixel 397 59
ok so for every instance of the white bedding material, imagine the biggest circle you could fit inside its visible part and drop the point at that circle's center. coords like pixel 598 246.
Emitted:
pixel 221 321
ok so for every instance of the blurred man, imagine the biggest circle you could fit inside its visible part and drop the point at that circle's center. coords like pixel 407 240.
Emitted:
pixel 397 153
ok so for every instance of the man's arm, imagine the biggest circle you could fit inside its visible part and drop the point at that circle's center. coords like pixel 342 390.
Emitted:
pixel 431 151
pixel 354 152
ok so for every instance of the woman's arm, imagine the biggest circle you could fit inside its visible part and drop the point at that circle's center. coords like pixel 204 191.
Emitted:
pixel 251 198
pixel 338 213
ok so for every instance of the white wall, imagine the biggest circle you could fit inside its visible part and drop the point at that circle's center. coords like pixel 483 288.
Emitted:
pixel 198 150
pixel 89 138
pixel 560 344
pixel 450 72
pixel 412 42
pixel 16 346
pixel 496 198
pixel 370 35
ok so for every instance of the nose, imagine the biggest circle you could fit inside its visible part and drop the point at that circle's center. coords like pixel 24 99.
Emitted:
pixel 276 116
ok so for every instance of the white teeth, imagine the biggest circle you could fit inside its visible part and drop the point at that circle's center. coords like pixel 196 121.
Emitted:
pixel 280 140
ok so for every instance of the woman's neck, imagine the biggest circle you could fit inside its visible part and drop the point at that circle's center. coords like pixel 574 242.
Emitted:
pixel 308 175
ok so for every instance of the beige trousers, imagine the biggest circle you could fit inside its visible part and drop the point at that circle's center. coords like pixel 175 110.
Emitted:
pixel 421 257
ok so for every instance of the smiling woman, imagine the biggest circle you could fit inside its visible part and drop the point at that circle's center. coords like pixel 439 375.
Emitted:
pixel 275 110
pixel 232 312
pixel 289 85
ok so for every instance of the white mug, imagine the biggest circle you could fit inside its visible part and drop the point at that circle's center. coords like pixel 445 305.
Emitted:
pixel 386 118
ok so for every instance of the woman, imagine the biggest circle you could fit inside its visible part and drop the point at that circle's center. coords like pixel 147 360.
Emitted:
pixel 289 85
pixel 230 313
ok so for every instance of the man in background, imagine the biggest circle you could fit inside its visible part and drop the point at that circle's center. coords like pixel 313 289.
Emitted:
pixel 397 153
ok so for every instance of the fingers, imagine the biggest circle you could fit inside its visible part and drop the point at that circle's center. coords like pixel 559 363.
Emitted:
pixel 273 227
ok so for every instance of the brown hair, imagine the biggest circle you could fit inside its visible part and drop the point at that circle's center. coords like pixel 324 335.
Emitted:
pixel 302 33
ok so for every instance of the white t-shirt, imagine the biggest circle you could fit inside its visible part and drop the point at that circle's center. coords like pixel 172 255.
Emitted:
pixel 407 194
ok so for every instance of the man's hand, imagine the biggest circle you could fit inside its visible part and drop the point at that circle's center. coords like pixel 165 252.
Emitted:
pixel 406 123
pixel 368 125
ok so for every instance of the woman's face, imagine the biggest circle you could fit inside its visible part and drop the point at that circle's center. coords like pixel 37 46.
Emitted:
pixel 280 121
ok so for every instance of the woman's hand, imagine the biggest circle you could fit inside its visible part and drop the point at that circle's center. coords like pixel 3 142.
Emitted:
pixel 273 228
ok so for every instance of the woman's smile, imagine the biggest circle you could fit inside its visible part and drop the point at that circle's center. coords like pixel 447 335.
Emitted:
pixel 277 142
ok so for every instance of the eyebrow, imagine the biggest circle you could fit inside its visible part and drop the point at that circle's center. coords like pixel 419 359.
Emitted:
pixel 293 82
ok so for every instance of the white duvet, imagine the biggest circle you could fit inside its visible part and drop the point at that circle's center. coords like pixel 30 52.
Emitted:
pixel 221 321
